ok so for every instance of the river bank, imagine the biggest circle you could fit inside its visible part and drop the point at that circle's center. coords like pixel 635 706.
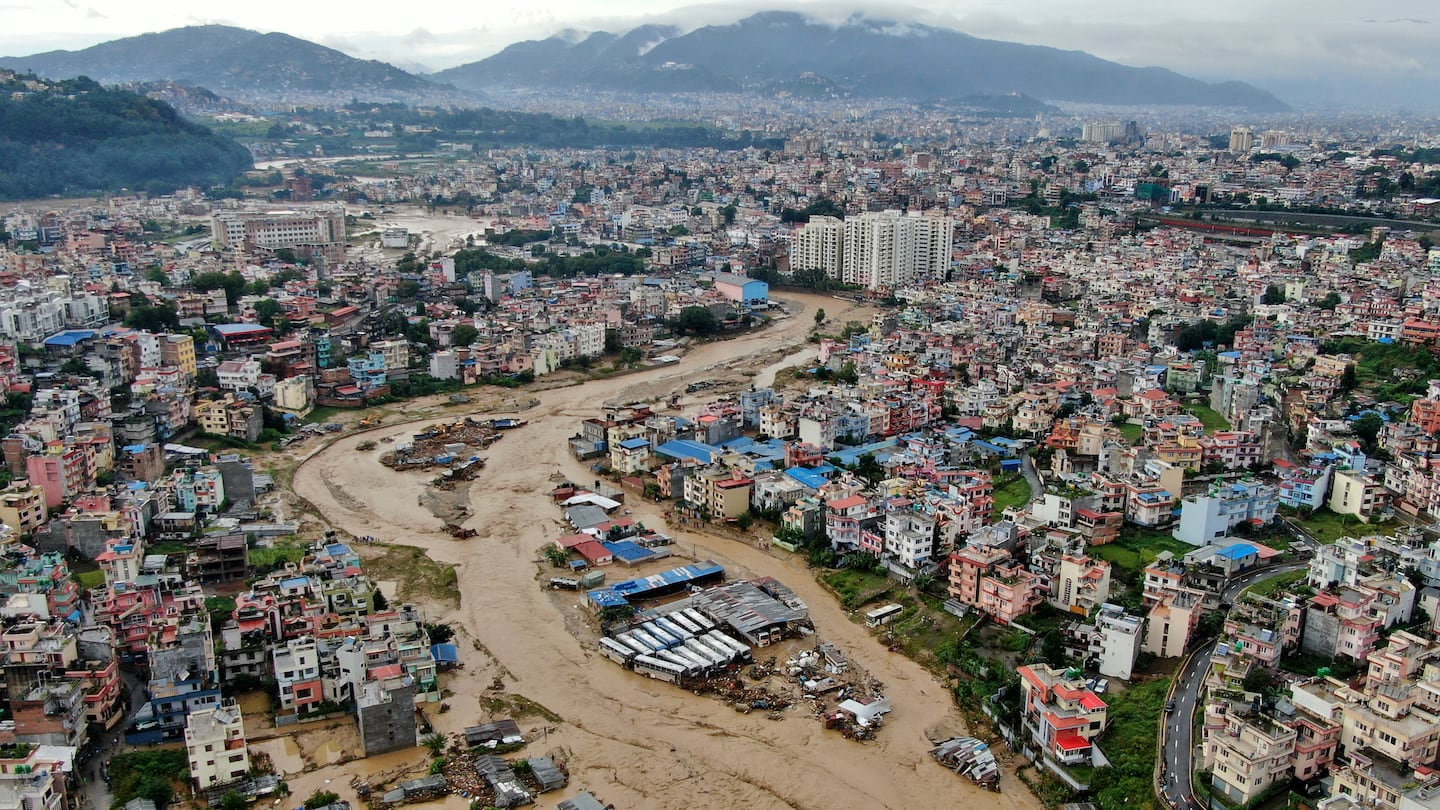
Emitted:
pixel 637 743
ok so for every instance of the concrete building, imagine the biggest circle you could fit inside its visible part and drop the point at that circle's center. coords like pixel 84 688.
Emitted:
pixel 385 710
pixel 1209 517
pixel 820 246
pixel 1116 642
pixel 215 744
pixel 310 232
pixel 888 249
pixel 1060 716
pixel 1252 753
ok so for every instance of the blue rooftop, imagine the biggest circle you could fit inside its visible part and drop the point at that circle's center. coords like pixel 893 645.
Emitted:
pixel 445 653
pixel 812 477
pixel 685 448
pixel 628 550
pixel 70 337
pixel 635 444
pixel 1237 551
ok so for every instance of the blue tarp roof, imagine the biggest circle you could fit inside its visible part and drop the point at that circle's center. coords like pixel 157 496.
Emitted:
pixel 811 477
pixel 70 337
pixel 607 598
pixel 628 550
pixel 685 448
pixel 445 653
pixel 1237 550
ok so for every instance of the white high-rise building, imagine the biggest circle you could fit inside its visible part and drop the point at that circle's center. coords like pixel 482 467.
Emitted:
pixel 888 249
pixel 1242 140
pixel 819 246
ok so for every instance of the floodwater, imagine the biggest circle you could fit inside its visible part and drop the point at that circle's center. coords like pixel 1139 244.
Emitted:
pixel 632 741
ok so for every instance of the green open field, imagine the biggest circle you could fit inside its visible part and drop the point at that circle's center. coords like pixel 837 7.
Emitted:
pixel 1210 418
pixel 1137 548
pixel 1013 492
pixel 1327 526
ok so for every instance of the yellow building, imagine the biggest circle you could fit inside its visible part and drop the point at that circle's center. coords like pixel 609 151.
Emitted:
pixel 22 506
pixel 179 351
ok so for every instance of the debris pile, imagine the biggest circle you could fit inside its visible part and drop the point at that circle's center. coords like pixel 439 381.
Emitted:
pixel 444 445
pixel 970 757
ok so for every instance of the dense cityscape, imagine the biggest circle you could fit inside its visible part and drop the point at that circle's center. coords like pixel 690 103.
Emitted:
pixel 892 453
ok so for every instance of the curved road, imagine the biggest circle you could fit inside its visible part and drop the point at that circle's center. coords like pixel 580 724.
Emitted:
pixel 1176 733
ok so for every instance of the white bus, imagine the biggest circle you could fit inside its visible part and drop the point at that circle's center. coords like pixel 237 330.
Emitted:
pixel 882 615
pixel 648 640
pixel 696 660
pixel 698 618
pixel 652 667
pixel 674 629
pixel 616 651
pixel 679 618
pixel 740 649
pixel 633 643
pixel 712 657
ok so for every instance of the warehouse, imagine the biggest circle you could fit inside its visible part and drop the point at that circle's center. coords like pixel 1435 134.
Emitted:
pixel 755 615
pixel 748 291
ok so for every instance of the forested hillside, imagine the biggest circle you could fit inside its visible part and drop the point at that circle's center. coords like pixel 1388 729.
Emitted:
pixel 75 136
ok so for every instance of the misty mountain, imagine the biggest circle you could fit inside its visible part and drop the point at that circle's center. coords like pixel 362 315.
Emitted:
pixel 238 63
pixel 862 56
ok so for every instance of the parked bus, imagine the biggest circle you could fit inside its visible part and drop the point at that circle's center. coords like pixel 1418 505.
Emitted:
pixel 698 618
pixel 634 644
pixel 659 633
pixel 649 640
pixel 674 629
pixel 679 618
pixel 700 662
pixel 726 654
pixel 616 651
pixel 712 657
pixel 742 650
pixel 674 657
pixel 882 615
pixel 659 669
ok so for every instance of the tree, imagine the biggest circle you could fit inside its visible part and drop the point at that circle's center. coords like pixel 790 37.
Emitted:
pixel 869 469
pixel 464 335
pixel 1331 300
pixel 1347 379
pixel 153 318
pixel 232 800
pixel 1367 428
pixel 267 310
pixel 819 316
pixel 1274 294
pixel 697 320
pixel 612 341
pixel 321 798
pixel 439 633
pixel 232 283
pixel 1052 649
pixel 434 742
pixel 158 275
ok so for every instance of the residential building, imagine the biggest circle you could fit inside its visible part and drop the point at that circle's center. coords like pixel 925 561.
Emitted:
pixel 215 745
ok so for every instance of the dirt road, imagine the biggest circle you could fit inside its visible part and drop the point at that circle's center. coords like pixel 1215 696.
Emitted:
pixel 635 742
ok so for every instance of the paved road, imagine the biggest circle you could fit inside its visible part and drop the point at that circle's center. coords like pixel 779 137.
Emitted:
pixel 1037 487
pixel 1176 732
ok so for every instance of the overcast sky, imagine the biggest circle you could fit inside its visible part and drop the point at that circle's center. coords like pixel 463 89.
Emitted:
pixel 1275 43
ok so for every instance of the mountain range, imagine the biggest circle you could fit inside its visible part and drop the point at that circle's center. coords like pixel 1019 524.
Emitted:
pixel 237 63
pixel 768 53
pixel 862 56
